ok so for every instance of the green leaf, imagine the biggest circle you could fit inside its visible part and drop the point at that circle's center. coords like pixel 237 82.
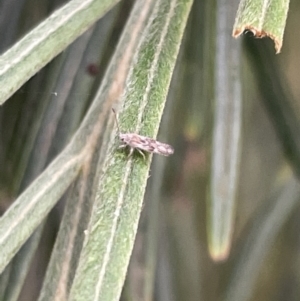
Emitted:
pixel 47 40
pixel 111 232
pixel 226 137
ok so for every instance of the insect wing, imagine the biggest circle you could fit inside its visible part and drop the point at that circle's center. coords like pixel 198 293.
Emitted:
pixel 162 148
pixel 137 141
pixel 149 145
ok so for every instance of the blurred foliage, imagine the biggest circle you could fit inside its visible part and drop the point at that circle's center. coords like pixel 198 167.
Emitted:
pixel 171 259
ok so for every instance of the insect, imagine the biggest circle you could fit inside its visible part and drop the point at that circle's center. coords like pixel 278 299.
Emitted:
pixel 142 143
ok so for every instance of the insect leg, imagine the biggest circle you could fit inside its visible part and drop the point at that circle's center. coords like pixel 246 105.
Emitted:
pixel 131 152
pixel 141 152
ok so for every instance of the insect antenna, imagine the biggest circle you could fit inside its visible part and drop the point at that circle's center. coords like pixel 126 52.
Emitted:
pixel 116 121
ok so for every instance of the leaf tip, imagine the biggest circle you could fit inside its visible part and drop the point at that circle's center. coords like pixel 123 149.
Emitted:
pixel 219 253
pixel 257 33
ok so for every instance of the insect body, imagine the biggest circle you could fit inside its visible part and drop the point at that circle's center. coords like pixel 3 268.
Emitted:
pixel 142 143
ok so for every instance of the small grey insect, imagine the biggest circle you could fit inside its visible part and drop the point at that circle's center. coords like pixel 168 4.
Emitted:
pixel 142 143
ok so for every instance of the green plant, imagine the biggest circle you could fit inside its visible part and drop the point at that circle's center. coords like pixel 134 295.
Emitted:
pixel 60 143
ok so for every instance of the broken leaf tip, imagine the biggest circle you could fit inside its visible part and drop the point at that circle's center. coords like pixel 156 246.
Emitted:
pixel 237 31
